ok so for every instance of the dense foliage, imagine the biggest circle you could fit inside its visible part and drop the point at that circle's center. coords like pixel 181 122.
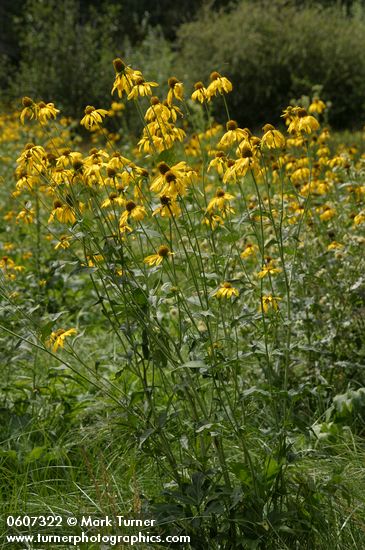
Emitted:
pixel 279 53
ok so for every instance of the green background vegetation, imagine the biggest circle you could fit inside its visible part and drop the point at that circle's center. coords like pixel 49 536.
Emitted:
pixel 272 50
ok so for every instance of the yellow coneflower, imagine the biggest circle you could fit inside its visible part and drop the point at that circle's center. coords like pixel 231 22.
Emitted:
pixel 317 106
pixel 339 160
pixel 118 180
pixel 226 290
pixel 134 211
pixel 328 212
pixel 232 135
pixel 64 242
pixel 269 302
pixel 219 84
pixel 174 185
pixel 272 139
pixel 67 157
pixel 156 259
pixel 176 90
pixel 239 168
pixel 159 136
pixel 113 200
pixel 125 77
pixel 57 338
pixel 93 117
pixel 359 218
pixel 141 88
pixel 334 245
pixel 63 212
pixel 174 180
pixel 117 161
pixel 268 268
pixel 26 181
pixel 46 111
pixel 302 122
pixel 7 265
pixel 32 156
pixel 219 163
pixel 9 216
pixel 324 135
pixel 26 215
pixel 116 106
pixel 201 93
pixel 96 156
pixel 157 111
pixel 213 220
pixel 168 207
pixel 29 109
pixel 221 202
pixel 300 175
pixel 124 229
pixel 323 151
pixel 249 250
pixel 174 111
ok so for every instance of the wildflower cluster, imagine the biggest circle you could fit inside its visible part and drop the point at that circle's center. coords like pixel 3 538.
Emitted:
pixel 206 252
pixel 269 179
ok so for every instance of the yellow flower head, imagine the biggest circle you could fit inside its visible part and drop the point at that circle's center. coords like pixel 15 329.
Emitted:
pixel 26 215
pixel 46 112
pixel 141 88
pixel 250 250
pixel 327 213
pixel 116 107
pixel 219 163
pixel 268 268
pixel 317 106
pixel 334 245
pixel 134 211
pixel 113 200
pixel 213 220
pixel 157 111
pixel 302 122
pixel 156 259
pixel 174 180
pixel 221 201
pixel 57 338
pixel 219 84
pixel 63 212
pixel 64 242
pixel 269 302
pixel 176 90
pixel 168 208
pixel 359 218
pixel 226 290
pixel 32 156
pixel 93 117
pixel 201 93
pixel 239 168
pixel 125 77
pixel 29 109
pixel 233 134
pixel 272 139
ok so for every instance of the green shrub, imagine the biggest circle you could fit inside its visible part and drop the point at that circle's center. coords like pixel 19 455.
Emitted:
pixel 62 59
pixel 67 54
pixel 274 51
